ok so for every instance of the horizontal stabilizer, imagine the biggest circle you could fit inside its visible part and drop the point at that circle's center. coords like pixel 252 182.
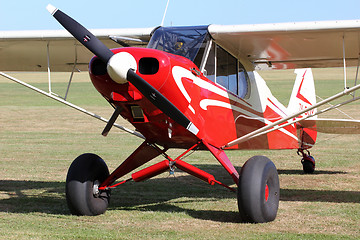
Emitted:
pixel 334 126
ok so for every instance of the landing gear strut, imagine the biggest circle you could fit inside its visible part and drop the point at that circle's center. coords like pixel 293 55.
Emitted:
pixel 307 161
pixel 88 181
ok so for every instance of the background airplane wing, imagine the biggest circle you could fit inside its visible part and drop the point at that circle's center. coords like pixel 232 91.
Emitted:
pixel 27 50
pixel 292 45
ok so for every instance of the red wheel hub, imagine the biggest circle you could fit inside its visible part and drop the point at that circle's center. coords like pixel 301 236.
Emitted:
pixel 266 193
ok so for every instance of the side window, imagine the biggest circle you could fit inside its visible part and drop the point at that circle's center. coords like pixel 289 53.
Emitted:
pixel 243 81
pixel 226 70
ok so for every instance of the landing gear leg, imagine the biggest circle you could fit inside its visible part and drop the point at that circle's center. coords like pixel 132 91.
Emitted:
pixel 307 161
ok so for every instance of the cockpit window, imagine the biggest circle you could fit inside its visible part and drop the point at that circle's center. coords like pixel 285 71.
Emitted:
pixel 213 61
pixel 183 41
pixel 224 69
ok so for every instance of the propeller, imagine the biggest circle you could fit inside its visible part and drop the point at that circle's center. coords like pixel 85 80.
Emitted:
pixel 81 34
pixel 121 68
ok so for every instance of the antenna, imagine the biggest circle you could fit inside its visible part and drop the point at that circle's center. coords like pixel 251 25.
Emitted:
pixel 162 22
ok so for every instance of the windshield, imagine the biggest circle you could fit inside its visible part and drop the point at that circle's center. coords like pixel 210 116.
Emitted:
pixel 183 41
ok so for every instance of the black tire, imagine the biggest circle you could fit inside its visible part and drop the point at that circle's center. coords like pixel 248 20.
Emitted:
pixel 308 166
pixel 86 171
pixel 257 174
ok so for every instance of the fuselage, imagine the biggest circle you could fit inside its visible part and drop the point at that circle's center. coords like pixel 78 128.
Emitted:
pixel 227 103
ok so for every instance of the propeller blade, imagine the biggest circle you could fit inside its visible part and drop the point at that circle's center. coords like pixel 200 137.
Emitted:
pixel 83 35
pixel 160 101
pixel 121 67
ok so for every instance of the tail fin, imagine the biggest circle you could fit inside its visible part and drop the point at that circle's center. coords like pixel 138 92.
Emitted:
pixel 302 97
pixel 303 94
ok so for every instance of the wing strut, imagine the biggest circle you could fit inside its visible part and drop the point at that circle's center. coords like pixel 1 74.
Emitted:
pixel 49 72
pixel 48 66
pixel 357 74
pixel 72 73
pixel 59 99
pixel 344 62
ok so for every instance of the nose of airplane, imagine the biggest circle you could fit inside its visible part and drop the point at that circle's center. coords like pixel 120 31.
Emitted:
pixel 119 65
pixel 122 68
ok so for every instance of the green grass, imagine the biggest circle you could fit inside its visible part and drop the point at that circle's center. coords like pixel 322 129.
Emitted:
pixel 39 139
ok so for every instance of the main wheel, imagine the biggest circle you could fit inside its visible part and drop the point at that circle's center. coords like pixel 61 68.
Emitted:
pixel 85 175
pixel 259 190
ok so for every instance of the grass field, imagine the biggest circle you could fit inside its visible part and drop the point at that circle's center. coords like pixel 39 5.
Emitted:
pixel 39 139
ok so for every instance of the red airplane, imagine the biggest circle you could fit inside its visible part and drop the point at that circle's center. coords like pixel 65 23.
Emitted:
pixel 196 88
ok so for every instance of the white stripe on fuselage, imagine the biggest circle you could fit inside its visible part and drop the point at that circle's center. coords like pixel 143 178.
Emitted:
pixel 180 72
pixel 209 102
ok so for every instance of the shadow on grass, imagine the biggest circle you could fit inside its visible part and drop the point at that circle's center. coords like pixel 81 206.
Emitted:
pixel 308 195
pixel 152 195
pixel 183 194
pixel 301 172
pixel 33 196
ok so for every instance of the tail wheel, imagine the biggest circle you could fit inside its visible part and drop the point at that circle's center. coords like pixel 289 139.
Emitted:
pixel 84 176
pixel 308 163
pixel 259 190
pixel 307 160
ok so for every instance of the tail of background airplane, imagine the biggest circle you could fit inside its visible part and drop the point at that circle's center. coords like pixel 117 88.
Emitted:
pixel 302 97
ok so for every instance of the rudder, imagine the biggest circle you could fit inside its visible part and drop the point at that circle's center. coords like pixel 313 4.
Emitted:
pixel 303 94
pixel 302 97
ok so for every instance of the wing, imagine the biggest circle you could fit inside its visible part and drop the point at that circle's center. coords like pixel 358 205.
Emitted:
pixel 292 45
pixel 28 50
pixel 335 126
